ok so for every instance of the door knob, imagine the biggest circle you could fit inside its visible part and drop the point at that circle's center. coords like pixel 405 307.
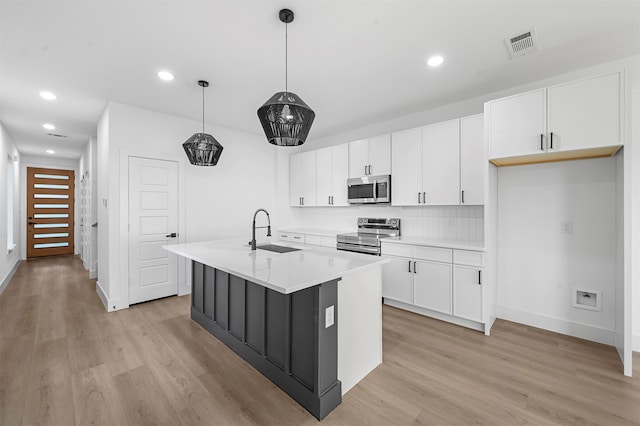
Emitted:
pixel 32 223
pixel 172 235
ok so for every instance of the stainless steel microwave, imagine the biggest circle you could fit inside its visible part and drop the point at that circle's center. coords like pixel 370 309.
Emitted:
pixel 369 189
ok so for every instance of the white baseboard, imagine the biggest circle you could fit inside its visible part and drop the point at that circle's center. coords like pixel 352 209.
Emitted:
pixel 6 279
pixel 102 295
pixel 433 314
pixel 582 331
pixel 93 274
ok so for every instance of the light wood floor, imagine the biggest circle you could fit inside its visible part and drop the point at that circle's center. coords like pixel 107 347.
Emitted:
pixel 65 361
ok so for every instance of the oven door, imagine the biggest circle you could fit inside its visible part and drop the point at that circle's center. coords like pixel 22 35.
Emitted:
pixel 369 189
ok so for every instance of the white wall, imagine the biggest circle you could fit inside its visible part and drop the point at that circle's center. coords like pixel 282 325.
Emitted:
pixel 632 158
pixel 50 163
pixel 216 202
pixel 538 264
pixel 93 268
pixel 102 210
pixel 8 259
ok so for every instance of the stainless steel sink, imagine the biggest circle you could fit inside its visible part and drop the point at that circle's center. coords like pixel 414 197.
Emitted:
pixel 276 248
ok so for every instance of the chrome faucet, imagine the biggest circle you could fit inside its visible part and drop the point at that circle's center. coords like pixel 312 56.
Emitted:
pixel 252 243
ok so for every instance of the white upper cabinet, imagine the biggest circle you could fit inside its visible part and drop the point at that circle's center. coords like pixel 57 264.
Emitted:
pixel 324 176
pixel 580 119
pixel 441 163
pixel 332 167
pixel 472 160
pixel 406 159
pixel 517 125
pixel 370 156
pixel 302 179
pixel 426 164
pixel 380 155
pixel 585 114
pixel 358 158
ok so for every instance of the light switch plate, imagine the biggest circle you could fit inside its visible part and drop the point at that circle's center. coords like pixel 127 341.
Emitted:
pixel 329 316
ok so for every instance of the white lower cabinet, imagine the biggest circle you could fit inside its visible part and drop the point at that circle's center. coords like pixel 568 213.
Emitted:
pixel 397 280
pixel 293 237
pixel 313 239
pixel 432 286
pixel 435 281
pixel 320 240
pixel 467 292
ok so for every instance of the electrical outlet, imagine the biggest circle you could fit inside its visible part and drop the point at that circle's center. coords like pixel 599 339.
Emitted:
pixel 566 227
pixel 329 315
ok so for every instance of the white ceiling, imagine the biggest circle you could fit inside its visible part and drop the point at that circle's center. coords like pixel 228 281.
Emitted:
pixel 354 62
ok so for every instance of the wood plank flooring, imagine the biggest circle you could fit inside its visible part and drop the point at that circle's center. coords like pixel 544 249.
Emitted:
pixel 65 361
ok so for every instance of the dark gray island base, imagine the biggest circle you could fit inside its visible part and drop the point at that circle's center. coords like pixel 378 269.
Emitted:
pixel 283 336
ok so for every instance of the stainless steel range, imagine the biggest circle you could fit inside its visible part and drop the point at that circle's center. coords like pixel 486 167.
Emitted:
pixel 370 232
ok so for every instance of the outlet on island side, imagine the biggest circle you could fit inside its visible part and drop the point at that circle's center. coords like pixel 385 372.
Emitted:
pixel 329 316
pixel 566 227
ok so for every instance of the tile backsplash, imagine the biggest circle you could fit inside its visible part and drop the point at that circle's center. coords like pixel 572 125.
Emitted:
pixel 439 222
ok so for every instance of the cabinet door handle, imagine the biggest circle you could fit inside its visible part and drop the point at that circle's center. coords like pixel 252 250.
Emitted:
pixel 332 202
pixel 424 198
pixel 414 267
pixel 462 197
pixel 409 266
pixel 541 142
pixel 369 168
pixel 365 170
pixel 551 139
pixel 479 277
pixel 418 198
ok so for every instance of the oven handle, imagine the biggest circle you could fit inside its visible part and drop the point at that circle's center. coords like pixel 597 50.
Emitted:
pixel 375 189
pixel 358 249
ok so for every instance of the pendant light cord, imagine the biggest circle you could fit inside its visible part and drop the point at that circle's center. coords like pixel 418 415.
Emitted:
pixel 203 108
pixel 286 57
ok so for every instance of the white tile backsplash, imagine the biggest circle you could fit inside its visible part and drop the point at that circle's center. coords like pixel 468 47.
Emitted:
pixel 462 223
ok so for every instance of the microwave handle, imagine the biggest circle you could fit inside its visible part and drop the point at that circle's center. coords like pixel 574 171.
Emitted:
pixel 375 189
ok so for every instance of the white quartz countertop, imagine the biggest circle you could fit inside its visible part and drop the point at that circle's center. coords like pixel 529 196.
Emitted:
pixel 314 231
pixel 430 242
pixel 282 272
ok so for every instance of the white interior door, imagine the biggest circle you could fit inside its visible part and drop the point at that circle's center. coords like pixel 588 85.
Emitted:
pixel 153 218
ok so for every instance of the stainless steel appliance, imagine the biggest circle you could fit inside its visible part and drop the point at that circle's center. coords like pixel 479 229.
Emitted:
pixel 369 189
pixel 370 232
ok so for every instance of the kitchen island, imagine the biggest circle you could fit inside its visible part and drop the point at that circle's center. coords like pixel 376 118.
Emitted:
pixel 310 320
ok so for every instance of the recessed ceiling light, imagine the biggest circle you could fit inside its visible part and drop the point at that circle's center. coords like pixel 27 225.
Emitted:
pixel 50 151
pixel 434 61
pixel 49 126
pixel 48 96
pixel 165 75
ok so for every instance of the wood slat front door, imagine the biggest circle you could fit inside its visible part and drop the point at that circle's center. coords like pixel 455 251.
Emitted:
pixel 50 217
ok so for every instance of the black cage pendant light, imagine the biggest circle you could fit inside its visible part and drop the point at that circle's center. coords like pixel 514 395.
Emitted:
pixel 202 149
pixel 286 119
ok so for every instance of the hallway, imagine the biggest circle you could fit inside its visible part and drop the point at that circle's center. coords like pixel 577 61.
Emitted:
pixel 64 360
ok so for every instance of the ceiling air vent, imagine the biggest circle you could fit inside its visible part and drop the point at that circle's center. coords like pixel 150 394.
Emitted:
pixel 522 44
pixel 55 135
